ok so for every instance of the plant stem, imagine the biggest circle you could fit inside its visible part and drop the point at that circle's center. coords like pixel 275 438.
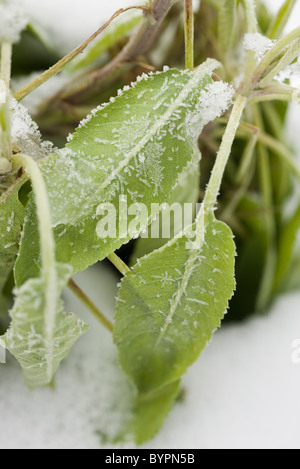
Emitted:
pixel 252 28
pixel 215 181
pixel 250 7
pixel 47 244
pixel 270 57
pixel 277 147
pixel 6 54
pixel 241 191
pixel 291 54
pixel 137 45
pixel 90 305
pixel 59 66
pixel 189 34
pixel 267 206
pixel 269 142
pixel 47 247
pixel 278 93
pixel 280 20
pixel 119 264
pixel 5 137
pixel 246 160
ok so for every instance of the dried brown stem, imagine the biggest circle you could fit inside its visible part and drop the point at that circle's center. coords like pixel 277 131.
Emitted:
pixel 137 45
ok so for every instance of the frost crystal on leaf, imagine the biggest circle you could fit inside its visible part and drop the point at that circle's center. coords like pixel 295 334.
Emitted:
pixel 258 43
pixel 25 133
pixel 214 100
pixel 12 20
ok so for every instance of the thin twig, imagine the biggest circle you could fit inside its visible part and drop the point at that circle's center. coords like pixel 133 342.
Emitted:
pixel 90 305
pixel 137 45
pixel 23 92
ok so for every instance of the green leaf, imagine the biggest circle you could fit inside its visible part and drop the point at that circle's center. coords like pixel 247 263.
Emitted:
pixel 111 36
pixel 227 23
pixel 135 147
pixel 26 338
pixel 11 220
pixel 171 303
pixel 186 192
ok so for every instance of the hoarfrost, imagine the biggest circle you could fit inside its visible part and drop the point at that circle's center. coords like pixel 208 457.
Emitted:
pixel 258 43
pixel 213 102
pixel 12 20
pixel 291 74
pixel 25 133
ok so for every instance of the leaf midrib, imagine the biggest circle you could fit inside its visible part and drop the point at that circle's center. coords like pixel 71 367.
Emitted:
pixel 196 77
pixel 189 266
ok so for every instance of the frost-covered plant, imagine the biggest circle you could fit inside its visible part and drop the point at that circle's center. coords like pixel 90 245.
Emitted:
pixel 142 150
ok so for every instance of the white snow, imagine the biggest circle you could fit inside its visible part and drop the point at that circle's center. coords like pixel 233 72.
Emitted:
pixel 242 393
pixel 69 22
pixel 13 19
pixel 258 43
pixel 292 74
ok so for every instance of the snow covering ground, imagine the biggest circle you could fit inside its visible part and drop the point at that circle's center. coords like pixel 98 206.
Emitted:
pixel 242 393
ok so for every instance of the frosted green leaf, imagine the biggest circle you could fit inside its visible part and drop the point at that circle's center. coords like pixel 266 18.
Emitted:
pixel 171 303
pixel 26 338
pixel 186 192
pixel 11 220
pixel 135 147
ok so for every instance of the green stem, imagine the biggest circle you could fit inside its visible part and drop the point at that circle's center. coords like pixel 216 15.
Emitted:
pixel 268 208
pixel 272 144
pixel 47 247
pixel 291 54
pixel 6 54
pixel 270 57
pixel 269 142
pixel 240 192
pixel 47 244
pixel 119 264
pixel 247 158
pixel 5 132
pixel 279 93
pixel 280 20
pixel 189 34
pixel 252 26
pixel 90 305
pixel 215 181
pixel 59 66
pixel 137 46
